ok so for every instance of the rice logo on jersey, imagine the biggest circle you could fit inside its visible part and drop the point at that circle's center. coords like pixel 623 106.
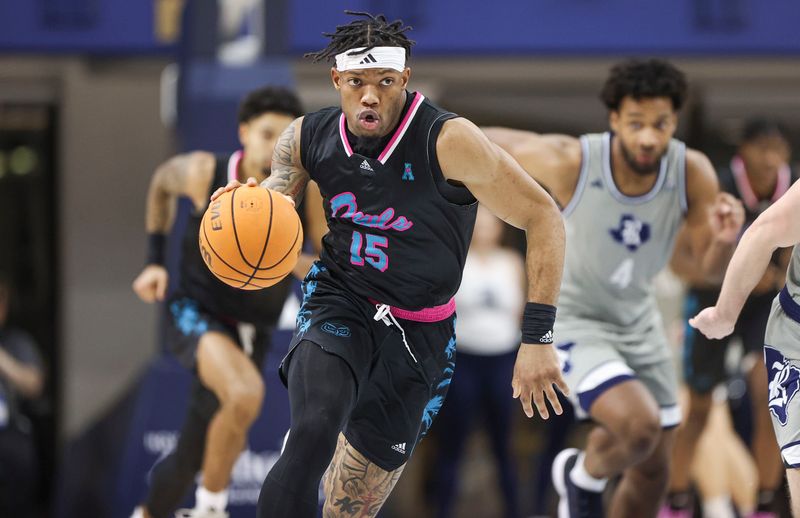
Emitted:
pixel 784 382
pixel 335 329
pixel 631 232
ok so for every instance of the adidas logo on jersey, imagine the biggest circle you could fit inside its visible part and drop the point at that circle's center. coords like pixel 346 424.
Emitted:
pixel 365 166
pixel 367 60
pixel 400 448
pixel 547 338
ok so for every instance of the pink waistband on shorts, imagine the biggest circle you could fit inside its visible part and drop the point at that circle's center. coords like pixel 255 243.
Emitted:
pixel 434 314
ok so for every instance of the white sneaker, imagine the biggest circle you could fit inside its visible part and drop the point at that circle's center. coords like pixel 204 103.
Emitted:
pixel 200 513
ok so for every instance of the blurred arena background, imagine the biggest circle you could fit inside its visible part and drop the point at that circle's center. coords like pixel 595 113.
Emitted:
pixel 94 94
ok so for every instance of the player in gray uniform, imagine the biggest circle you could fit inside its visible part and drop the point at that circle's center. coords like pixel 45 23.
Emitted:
pixel 625 196
pixel 777 227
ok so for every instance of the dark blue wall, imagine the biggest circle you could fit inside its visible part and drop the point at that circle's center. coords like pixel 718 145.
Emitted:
pixel 95 26
pixel 574 26
pixel 446 26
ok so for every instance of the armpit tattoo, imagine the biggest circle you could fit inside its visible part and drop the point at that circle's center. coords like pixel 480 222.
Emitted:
pixel 286 177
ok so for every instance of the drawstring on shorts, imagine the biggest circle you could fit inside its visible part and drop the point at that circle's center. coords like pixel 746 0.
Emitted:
pixel 383 313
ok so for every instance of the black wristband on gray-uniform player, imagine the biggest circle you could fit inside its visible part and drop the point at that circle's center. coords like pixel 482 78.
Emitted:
pixel 537 323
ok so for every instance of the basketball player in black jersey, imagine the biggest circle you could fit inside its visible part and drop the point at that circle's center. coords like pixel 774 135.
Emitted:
pixel 374 348
pixel 204 315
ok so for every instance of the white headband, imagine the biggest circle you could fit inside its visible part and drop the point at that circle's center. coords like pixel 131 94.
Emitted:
pixel 377 57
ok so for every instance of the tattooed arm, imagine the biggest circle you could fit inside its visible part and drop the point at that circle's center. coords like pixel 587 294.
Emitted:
pixel 288 174
pixel 354 486
pixel 183 175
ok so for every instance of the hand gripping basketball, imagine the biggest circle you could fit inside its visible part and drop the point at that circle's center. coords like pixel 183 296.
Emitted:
pixel 233 184
pixel 250 237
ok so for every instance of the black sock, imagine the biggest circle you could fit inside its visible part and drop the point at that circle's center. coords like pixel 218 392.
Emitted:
pixel 679 500
pixel 765 499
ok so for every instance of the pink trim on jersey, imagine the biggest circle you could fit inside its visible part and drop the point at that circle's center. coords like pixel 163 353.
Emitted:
pixel 233 165
pixel 427 315
pixel 343 135
pixel 398 134
pixel 401 130
pixel 743 183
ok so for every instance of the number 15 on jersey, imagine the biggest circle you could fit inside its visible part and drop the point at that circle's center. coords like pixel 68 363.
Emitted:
pixel 373 254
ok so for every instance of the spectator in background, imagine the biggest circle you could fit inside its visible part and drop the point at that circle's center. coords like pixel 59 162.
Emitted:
pixel 21 377
pixel 758 175
pixel 490 303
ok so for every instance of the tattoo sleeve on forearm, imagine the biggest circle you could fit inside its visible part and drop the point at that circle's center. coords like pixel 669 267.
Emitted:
pixel 354 486
pixel 287 177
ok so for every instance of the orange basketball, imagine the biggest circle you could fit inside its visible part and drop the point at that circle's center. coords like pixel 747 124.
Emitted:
pixel 250 237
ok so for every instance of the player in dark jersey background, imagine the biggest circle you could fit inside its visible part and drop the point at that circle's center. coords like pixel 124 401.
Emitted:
pixel 374 348
pixel 758 175
pixel 205 316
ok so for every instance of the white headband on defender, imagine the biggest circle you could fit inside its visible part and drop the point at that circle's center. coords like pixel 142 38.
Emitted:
pixel 377 57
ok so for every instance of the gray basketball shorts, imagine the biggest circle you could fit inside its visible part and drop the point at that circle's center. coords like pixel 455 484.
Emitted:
pixel 595 356
pixel 782 358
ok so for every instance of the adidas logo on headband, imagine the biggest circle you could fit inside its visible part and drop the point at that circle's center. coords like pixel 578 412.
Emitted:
pixel 377 57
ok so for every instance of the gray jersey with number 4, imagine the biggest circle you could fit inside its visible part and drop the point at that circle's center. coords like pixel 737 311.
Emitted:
pixel 616 244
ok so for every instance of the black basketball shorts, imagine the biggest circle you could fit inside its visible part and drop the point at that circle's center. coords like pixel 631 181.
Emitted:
pixel 401 383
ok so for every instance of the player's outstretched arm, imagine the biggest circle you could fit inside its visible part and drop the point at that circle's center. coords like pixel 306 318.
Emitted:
pixel 713 219
pixel 552 160
pixel 777 227
pixel 467 156
pixel 287 176
pixel 184 175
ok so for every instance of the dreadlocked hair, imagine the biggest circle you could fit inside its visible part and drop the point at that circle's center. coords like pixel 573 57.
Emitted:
pixel 371 32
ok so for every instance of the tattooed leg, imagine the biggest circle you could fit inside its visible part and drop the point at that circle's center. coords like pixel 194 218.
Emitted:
pixel 354 486
pixel 338 455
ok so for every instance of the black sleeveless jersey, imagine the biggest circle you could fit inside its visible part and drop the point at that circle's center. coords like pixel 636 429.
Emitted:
pixel 734 180
pixel 398 233
pixel 261 307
